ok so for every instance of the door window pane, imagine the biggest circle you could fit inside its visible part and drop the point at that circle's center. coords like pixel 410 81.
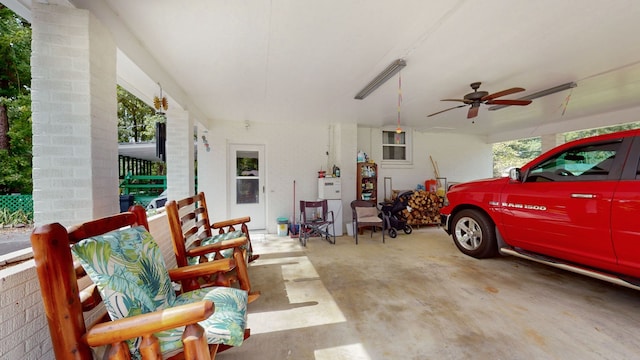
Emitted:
pixel 247 191
pixel 247 163
pixel 247 181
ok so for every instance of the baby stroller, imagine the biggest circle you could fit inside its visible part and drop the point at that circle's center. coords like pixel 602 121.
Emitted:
pixel 393 211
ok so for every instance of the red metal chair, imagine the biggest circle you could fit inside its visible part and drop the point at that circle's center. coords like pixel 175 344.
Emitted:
pixel 316 220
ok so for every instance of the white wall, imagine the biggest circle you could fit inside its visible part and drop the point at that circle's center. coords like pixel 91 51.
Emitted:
pixel 298 152
pixel 24 332
pixel 180 158
pixel 74 112
pixel 458 157
pixel 292 153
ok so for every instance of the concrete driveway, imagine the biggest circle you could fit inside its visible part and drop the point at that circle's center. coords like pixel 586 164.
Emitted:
pixel 12 239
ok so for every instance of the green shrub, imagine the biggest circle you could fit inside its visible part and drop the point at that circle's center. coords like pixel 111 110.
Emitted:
pixel 20 217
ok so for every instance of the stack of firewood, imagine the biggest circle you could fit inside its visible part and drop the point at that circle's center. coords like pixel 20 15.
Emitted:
pixel 425 208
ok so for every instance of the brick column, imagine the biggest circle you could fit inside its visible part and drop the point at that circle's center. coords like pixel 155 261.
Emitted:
pixel 74 105
pixel 550 141
pixel 180 154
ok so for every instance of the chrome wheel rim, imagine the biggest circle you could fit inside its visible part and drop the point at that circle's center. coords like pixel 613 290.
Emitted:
pixel 468 233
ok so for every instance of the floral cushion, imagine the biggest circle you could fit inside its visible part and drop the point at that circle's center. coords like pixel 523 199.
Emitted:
pixel 226 253
pixel 129 270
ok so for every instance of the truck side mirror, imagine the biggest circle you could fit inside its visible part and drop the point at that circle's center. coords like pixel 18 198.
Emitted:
pixel 515 175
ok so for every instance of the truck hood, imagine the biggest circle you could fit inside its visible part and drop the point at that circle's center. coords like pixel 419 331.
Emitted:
pixel 476 193
pixel 480 185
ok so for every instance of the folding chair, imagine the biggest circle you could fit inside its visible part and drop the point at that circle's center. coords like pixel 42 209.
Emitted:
pixel 316 220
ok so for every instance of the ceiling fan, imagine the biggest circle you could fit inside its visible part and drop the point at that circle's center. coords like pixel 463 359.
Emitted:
pixel 476 98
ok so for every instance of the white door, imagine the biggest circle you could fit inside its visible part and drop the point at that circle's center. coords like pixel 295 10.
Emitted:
pixel 246 179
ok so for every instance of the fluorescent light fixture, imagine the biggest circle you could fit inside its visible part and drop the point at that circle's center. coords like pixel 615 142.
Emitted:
pixel 540 94
pixel 385 75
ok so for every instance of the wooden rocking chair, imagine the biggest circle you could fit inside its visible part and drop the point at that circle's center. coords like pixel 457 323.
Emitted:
pixel 117 248
pixel 194 242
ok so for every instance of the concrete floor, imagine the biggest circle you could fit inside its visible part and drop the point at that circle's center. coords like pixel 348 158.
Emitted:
pixel 417 297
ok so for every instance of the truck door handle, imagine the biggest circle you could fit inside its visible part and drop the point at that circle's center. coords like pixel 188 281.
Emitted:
pixel 583 196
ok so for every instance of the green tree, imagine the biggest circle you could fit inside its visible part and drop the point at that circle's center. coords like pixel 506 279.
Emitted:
pixel 574 135
pixel 15 103
pixel 514 153
pixel 136 119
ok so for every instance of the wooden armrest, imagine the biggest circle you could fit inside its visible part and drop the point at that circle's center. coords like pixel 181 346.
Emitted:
pixel 202 269
pixel 135 326
pixel 90 297
pixel 236 221
pixel 222 245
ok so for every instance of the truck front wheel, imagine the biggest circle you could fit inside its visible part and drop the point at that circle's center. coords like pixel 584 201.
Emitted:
pixel 474 234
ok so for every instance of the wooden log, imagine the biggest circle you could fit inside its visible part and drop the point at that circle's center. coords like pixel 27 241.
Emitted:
pixel 425 208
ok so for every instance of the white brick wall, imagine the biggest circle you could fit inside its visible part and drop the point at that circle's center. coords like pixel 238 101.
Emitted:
pixel 180 157
pixel 24 333
pixel 74 116
pixel 104 122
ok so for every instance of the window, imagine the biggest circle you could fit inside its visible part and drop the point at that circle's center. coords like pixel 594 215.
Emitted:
pixel 396 147
pixel 590 162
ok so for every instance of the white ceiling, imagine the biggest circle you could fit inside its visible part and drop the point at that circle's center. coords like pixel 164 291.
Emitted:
pixel 303 60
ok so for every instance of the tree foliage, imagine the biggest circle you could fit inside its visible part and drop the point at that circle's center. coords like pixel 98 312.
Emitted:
pixel 574 135
pixel 15 103
pixel 136 119
pixel 514 153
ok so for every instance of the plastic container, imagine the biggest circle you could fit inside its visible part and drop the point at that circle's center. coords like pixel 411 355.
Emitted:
pixel 293 229
pixel 125 202
pixel 431 185
pixel 283 226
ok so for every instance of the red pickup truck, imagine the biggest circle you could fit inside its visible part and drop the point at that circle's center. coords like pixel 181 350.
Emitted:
pixel 574 207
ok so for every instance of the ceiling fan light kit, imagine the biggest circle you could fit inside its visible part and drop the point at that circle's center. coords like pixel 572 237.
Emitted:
pixel 539 94
pixel 385 75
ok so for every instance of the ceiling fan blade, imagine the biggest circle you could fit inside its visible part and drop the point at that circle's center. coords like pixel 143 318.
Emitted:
pixel 473 112
pixel 508 102
pixel 502 93
pixel 459 100
pixel 440 112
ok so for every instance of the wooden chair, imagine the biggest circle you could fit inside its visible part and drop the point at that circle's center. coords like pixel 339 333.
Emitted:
pixel 316 220
pixel 366 214
pixel 194 242
pixel 78 322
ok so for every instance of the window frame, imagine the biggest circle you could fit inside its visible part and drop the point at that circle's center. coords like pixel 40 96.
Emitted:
pixel 408 146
